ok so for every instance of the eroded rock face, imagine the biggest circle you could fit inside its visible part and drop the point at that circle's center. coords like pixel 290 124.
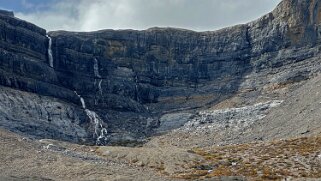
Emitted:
pixel 303 19
pixel 24 66
pixel 43 117
pixel 152 66
pixel 132 78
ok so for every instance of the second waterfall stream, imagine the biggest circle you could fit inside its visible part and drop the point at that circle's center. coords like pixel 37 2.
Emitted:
pixel 100 133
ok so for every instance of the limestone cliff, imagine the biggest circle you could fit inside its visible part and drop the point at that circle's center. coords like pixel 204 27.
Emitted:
pixel 132 78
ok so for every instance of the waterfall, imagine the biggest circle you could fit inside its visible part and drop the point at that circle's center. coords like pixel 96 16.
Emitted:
pixel 81 100
pixel 96 68
pixel 97 75
pixel 50 57
pixel 99 86
pixel 100 133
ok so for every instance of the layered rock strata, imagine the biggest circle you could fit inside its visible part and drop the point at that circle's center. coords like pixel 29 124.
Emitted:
pixel 130 78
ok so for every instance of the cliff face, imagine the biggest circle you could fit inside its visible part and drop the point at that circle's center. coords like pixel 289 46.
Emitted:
pixel 132 78
pixel 23 66
pixel 303 19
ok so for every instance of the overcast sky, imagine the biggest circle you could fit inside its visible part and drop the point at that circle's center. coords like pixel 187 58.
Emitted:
pixel 89 15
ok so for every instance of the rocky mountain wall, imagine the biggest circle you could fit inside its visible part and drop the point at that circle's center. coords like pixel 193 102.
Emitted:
pixel 132 78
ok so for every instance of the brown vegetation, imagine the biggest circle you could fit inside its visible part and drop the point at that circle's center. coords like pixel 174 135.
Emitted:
pixel 261 161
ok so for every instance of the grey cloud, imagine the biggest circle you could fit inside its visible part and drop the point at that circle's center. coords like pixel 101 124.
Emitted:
pixel 199 15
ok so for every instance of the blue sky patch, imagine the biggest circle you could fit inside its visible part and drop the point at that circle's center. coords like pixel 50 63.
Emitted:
pixel 26 6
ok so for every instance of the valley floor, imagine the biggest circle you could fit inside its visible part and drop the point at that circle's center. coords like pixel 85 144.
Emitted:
pixel 26 159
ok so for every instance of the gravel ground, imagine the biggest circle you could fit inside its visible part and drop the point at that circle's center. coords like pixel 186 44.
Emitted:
pixel 25 159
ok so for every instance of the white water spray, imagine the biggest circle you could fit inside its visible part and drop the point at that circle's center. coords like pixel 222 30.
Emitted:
pixel 100 132
pixel 50 57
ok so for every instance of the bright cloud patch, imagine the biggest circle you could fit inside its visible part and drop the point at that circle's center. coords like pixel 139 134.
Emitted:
pixel 200 15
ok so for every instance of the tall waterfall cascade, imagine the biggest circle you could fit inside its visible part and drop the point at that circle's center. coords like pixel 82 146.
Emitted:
pixel 50 57
pixel 100 132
